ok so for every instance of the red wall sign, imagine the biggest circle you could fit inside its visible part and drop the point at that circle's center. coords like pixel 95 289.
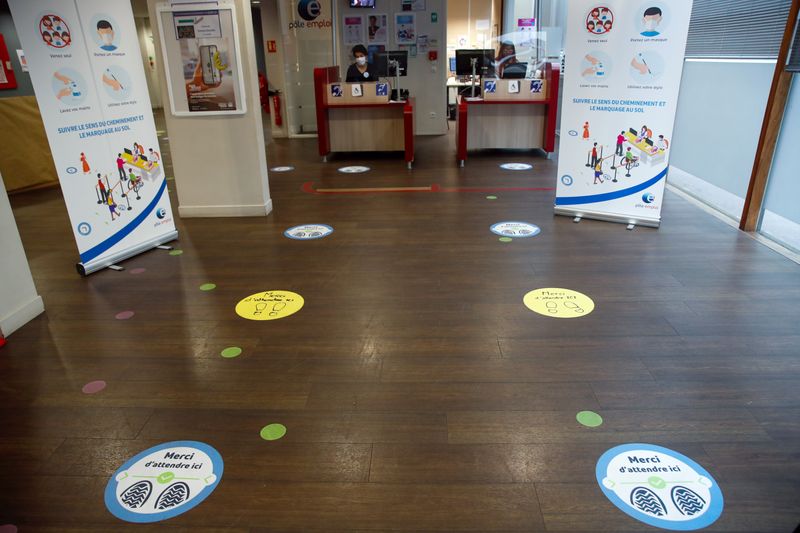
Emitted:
pixel 7 78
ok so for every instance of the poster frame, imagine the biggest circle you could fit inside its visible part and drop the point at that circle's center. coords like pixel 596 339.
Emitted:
pixel 196 6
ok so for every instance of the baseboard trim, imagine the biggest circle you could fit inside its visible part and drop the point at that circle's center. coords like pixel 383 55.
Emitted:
pixel 16 319
pixel 212 211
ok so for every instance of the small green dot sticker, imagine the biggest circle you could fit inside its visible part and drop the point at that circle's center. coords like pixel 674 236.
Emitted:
pixel 175 252
pixel 231 352
pixel 589 419
pixel 505 239
pixel 165 477
pixel 273 431
pixel 491 197
pixel 207 287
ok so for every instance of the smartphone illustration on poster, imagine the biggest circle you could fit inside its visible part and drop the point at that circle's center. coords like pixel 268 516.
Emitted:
pixel 210 75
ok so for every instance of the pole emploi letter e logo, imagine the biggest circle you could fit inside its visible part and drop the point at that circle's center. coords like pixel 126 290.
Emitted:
pixel 309 9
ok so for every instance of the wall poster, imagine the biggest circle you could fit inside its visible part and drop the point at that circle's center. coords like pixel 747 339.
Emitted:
pixel 378 29
pixel 405 28
pixel 202 57
pixel 353 26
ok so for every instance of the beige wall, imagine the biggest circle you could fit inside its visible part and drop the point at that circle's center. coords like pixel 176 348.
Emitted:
pixel 19 302
pixel 461 18
pixel 219 161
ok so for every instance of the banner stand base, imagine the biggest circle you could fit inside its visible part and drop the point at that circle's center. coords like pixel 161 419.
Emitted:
pixel 84 269
pixel 608 217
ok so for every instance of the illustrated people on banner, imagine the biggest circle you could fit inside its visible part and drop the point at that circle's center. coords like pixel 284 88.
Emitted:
pixel 600 21
pixel 586 131
pixel 598 171
pixel 594 155
pixel 85 164
pixel 651 20
pixel 153 158
pixel 112 206
pixel 620 142
pixel 106 33
pixel 662 143
pixel 101 189
pixel 121 167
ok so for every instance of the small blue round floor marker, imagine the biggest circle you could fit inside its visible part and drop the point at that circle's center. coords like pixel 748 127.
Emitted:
pixel 308 232
pixel 517 230
pixel 516 166
pixel 659 487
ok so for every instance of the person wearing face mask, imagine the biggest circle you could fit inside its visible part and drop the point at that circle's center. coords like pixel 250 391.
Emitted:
pixel 651 20
pixel 106 33
pixel 360 71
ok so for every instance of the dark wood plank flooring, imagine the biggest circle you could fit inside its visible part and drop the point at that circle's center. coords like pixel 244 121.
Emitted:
pixel 418 392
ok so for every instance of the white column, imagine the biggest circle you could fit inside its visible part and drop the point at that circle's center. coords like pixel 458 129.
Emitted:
pixel 19 301
pixel 219 162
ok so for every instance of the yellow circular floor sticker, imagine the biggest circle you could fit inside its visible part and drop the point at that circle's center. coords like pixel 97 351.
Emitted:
pixel 558 303
pixel 269 305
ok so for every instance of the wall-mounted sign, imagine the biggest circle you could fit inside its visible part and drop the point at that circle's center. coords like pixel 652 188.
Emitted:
pixel 202 58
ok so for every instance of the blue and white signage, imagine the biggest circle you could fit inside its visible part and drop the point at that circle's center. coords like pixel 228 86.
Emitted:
pixel 336 91
pixel 620 94
pixel 381 89
pixel 308 232
pixel 489 86
pixel 164 481
pixel 659 487
pixel 515 229
pixel 536 86
pixel 92 92
pixel 516 166
pixel 355 169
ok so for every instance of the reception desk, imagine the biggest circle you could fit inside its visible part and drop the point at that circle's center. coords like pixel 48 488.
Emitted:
pixel 361 120
pixel 505 118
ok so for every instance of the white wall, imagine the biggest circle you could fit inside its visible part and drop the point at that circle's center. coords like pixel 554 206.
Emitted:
pixel 426 79
pixel 148 50
pixel 717 126
pixel 19 301
pixel 219 161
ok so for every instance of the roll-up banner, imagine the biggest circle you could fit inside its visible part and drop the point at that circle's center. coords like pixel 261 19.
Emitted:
pixel 623 63
pixel 87 73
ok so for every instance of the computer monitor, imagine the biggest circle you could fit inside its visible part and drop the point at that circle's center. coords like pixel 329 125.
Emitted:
pixel 362 3
pixel 634 132
pixel 143 158
pixel 649 142
pixel 382 62
pixel 128 152
pixel 452 64
pixel 515 70
pixel 484 62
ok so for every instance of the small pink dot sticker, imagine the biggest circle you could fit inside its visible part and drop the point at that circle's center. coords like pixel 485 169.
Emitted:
pixel 139 270
pixel 124 315
pixel 91 388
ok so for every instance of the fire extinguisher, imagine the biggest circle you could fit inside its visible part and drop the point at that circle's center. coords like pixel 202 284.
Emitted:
pixel 276 105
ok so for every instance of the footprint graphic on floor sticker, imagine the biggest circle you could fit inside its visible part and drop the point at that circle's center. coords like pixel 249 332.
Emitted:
pixel 137 494
pixel 687 501
pixel 648 501
pixel 173 496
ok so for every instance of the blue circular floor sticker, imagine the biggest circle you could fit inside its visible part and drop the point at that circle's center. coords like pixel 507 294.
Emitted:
pixel 516 166
pixel 659 487
pixel 163 481
pixel 307 232
pixel 515 229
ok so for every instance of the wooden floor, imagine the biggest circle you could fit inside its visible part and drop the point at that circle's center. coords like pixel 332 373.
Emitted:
pixel 418 392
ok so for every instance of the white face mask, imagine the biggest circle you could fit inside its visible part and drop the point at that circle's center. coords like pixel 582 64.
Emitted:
pixel 108 38
pixel 361 60
pixel 650 24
